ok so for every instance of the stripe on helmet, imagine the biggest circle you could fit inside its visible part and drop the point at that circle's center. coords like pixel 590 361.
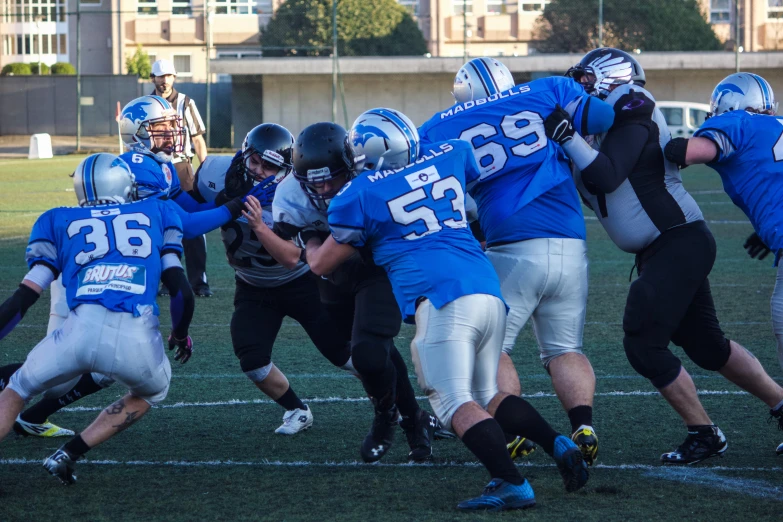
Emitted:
pixel 492 86
pixel 764 90
pixel 88 179
pixel 161 101
pixel 404 129
pixel 480 77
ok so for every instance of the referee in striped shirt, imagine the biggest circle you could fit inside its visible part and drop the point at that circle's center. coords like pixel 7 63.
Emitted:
pixel 163 76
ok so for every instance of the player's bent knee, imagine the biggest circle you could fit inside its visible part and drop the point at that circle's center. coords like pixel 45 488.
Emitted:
pixel 253 357
pixel 710 354
pixel 659 365
pixel 259 374
pixel 370 357
pixel 550 353
pixel 154 398
pixel 446 405
pixel 101 380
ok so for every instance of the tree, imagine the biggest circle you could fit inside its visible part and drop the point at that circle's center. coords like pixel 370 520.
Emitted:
pixel 16 69
pixel 571 26
pixel 139 63
pixel 63 68
pixel 364 28
pixel 34 68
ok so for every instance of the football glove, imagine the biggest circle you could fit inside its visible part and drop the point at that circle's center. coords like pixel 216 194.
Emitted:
pixel 264 192
pixel 184 348
pixel 755 247
pixel 558 126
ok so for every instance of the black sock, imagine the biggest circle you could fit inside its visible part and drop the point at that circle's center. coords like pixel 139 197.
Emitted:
pixel 486 441
pixel 382 386
pixel 702 429
pixel 580 416
pixel 516 415
pixel 290 401
pixel 406 397
pixel 40 411
pixel 76 447
pixel 6 372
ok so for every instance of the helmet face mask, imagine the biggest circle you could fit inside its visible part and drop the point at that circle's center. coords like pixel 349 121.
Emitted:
pixel 600 71
pixel 151 124
pixel 266 153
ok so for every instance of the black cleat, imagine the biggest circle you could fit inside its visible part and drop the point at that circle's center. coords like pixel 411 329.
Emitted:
pixel 202 291
pixel 698 447
pixel 378 442
pixel 420 433
pixel 520 447
pixel 778 414
pixel 61 465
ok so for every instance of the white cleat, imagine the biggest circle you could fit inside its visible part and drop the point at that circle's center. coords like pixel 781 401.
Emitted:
pixel 295 421
pixel 47 429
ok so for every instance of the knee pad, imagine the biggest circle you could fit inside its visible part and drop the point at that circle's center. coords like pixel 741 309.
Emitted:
pixel 657 364
pixel 252 357
pixel 550 353
pixel 259 374
pixel 371 356
pixel 710 354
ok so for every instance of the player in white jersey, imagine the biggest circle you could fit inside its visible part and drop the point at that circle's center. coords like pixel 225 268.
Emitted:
pixel 112 251
pixel 266 291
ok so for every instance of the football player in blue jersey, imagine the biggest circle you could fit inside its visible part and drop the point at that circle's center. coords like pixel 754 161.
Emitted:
pixel 743 141
pixel 111 252
pixel 531 216
pixel 408 211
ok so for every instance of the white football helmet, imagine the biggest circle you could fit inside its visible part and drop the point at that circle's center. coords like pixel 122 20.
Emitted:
pixel 480 78
pixel 102 179
pixel 136 122
pixel 743 91
pixel 383 138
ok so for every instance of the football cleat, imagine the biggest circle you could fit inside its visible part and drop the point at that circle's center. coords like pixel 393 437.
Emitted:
pixel 420 433
pixel 500 495
pixel 587 441
pixel 570 463
pixel 779 449
pixel 295 421
pixel 520 447
pixel 61 465
pixel 698 447
pixel 378 442
pixel 47 429
pixel 778 414
pixel 441 433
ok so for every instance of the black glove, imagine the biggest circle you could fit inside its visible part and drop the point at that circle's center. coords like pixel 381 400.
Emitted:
pixel 184 348
pixel 756 247
pixel 633 106
pixel 235 206
pixel 237 181
pixel 558 126
pixel 675 150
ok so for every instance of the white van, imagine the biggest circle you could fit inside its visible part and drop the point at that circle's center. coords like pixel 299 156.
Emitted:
pixel 683 118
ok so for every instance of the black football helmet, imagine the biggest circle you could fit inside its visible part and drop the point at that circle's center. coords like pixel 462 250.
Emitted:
pixel 269 144
pixel 609 67
pixel 322 153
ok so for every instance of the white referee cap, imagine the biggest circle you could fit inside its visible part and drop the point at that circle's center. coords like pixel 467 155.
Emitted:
pixel 163 67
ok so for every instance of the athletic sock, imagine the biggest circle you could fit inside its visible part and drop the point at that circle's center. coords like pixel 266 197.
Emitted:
pixel 76 447
pixel 40 411
pixel 290 401
pixel 486 441
pixel 580 416
pixel 516 415
pixel 6 372
pixel 406 397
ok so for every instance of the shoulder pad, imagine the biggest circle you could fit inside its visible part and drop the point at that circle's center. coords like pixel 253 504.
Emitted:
pixel 211 176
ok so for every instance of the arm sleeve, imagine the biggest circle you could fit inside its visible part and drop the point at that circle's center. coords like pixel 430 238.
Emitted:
pixel 726 132
pixel 182 300
pixel 14 308
pixel 619 153
pixel 42 247
pixel 195 224
pixel 346 220
pixel 588 114
pixel 172 229
pixel 186 201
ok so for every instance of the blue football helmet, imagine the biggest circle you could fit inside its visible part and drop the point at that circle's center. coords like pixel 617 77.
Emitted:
pixel 480 78
pixel 743 91
pixel 136 127
pixel 102 179
pixel 383 139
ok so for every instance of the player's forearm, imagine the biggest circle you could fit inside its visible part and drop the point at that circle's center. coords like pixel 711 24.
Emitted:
pixel 284 251
pixel 14 308
pixel 186 201
pixel 182 300
pixel 324 258
pixel 198 223
pixel 200 147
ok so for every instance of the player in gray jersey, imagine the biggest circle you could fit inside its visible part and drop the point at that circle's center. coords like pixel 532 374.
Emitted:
pixel 267 291
pixel 358 296
pixel 639 198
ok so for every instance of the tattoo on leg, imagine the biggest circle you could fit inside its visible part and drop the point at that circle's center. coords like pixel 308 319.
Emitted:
pixel 130 418
pixel 116 408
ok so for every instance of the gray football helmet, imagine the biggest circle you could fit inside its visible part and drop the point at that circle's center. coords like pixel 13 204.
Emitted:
pixel 383 138
pixel 741 91
pixel 481 78
pixel 102 179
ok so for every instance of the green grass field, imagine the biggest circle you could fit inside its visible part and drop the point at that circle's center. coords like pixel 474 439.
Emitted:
pixel 209 452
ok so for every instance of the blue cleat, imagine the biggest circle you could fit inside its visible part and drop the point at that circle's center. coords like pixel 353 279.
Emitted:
pixel 571 464
pixel 500 495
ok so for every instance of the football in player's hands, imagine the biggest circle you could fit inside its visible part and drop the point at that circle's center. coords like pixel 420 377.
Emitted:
pixel 184 348
pixel 558 126
pixel 756 247
pixel 633 105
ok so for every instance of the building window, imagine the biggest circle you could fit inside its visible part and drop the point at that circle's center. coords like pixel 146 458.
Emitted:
pixel 775 9
pixel 533 5
pixel 501 6
pixel 234 7
pixel 90 2
pixel 153 57
pixel 459 7
pixel 411 5
pixel 181 7
pixel 720 11
pixel 182 64
pixel 147 7
pixel 63 46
